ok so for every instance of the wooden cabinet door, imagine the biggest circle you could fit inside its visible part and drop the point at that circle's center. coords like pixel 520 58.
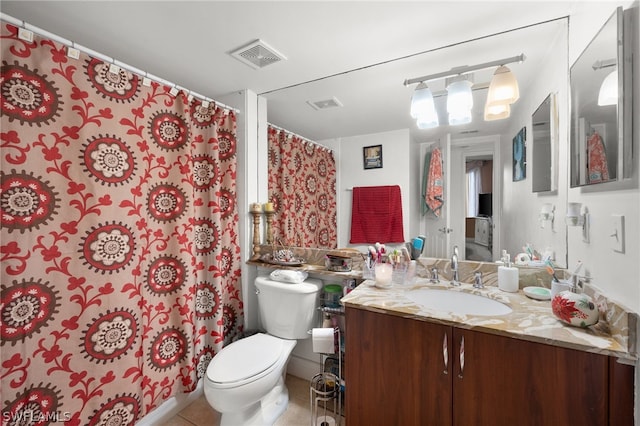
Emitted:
pixel 621 393
pixel 505 381
pixel 395 371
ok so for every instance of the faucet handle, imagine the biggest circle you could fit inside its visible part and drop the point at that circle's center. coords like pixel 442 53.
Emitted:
pixel 478 280
pixel 434 275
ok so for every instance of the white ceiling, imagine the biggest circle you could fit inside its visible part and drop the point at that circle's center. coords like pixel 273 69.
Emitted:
pixel 360 52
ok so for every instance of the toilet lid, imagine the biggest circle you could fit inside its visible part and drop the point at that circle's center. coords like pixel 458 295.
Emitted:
pixel 245 358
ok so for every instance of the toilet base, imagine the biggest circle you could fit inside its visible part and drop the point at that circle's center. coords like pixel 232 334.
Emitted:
pixel 264 412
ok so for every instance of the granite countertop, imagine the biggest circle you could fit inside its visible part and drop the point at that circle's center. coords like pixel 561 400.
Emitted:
pixel 530 319
pixel 310 269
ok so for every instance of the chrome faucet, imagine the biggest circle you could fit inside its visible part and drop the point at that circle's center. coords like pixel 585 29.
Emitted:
pixel 478 280
pixel 455 280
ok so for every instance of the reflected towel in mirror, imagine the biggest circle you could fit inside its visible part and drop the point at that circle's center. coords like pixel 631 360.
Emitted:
pixel 376 215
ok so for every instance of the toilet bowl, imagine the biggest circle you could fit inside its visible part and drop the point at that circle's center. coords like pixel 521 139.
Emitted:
pixel 245 380
pixel 246 383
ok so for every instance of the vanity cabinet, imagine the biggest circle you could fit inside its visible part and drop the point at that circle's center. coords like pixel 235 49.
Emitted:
pixel 395 373
pixel 411 372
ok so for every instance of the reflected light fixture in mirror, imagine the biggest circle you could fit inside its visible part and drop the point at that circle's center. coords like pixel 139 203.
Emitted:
pixel 503 88
pixel 505 92
pixel 496 112
pixel 459 100
pixel 423 108
pixel 609 90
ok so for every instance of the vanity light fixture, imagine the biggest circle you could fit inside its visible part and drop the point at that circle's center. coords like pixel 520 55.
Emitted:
pixel 503 91
pixel 496 112
pixel 608 94
pixel 609 89
pixel 459 99
pixel 423 108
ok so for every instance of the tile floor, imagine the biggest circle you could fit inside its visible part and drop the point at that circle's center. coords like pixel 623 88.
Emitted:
pixel 200 413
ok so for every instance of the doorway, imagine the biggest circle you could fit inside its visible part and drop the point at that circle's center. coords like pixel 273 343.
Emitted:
pixel 479 208
pixel 477 219
pixel 447 231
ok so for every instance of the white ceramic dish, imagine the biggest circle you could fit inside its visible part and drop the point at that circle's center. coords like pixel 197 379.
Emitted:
pixel 538 293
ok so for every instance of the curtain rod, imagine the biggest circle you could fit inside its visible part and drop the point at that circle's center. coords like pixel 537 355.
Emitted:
pixel 301 137
pixel 71 44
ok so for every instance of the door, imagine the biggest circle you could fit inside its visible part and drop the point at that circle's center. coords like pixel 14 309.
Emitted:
pixel 398 371
pixel 461 151
pixel 504 381
pixel 438 230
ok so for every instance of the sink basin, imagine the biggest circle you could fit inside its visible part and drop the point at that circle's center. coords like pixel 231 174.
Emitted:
pixel 457 302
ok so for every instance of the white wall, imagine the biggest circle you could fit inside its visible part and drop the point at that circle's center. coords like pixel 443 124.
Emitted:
pixel 395 164
pixel 520 205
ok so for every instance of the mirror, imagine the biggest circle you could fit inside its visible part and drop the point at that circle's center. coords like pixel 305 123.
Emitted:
pixel 600 122
pixel 543 169
pixel 380 86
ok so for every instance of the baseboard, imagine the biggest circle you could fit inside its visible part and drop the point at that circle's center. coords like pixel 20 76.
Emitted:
pixel 303 367
pixel 171 407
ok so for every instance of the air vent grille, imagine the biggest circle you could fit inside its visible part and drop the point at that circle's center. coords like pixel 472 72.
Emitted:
pixel 325 103
pixel 257 54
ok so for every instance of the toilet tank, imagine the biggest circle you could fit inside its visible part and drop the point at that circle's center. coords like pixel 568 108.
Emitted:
pixel 288 310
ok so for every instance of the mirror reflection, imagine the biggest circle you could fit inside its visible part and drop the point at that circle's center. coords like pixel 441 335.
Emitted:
pixel 595 127
pixel 541 126
pixel 381 86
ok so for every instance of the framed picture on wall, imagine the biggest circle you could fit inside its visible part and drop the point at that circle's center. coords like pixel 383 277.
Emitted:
pixel 372 156
pixel 520 155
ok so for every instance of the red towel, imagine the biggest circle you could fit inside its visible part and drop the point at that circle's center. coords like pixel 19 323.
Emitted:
pixel 376 215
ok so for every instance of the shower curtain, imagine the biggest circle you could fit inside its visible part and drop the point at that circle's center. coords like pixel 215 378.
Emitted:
pixel 120 271
pixel 302 187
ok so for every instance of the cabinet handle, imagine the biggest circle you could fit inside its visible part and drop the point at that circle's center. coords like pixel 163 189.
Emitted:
pixel 460 375
pixel 445 353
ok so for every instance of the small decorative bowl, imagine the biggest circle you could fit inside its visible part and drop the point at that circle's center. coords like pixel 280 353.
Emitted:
pixel 336 263
pixel 575 309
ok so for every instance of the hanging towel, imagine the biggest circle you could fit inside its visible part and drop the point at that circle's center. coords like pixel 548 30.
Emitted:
pixel 425 179
pixel 376 215
pixel 434 197
pixel 597 159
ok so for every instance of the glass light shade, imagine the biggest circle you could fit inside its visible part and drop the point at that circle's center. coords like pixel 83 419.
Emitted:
pixel 459 102
pixel 461 117
pixel 428 121
pixel 503 88
pixel 609 89
pixel 459 98
pixel 422 101
pixel 496 112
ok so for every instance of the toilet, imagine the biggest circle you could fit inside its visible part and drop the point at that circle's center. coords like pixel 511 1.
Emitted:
pixel 245 380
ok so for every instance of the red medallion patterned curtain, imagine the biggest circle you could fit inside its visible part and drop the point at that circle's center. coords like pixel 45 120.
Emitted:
pixel 302 187
pixel 120 257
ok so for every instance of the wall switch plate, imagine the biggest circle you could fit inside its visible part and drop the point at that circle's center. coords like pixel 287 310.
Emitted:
pixel 617 233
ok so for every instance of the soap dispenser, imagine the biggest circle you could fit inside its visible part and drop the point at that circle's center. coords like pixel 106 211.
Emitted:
pixel 508 275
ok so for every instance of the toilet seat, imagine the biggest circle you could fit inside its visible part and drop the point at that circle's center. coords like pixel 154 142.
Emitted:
pixel 245 360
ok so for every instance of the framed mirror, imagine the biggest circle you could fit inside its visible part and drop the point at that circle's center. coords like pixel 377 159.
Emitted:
pixel 544 167
pixel 600 110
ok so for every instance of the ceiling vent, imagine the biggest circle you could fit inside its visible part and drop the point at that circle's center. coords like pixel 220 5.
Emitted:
pixel 325 104
pixel 257 54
